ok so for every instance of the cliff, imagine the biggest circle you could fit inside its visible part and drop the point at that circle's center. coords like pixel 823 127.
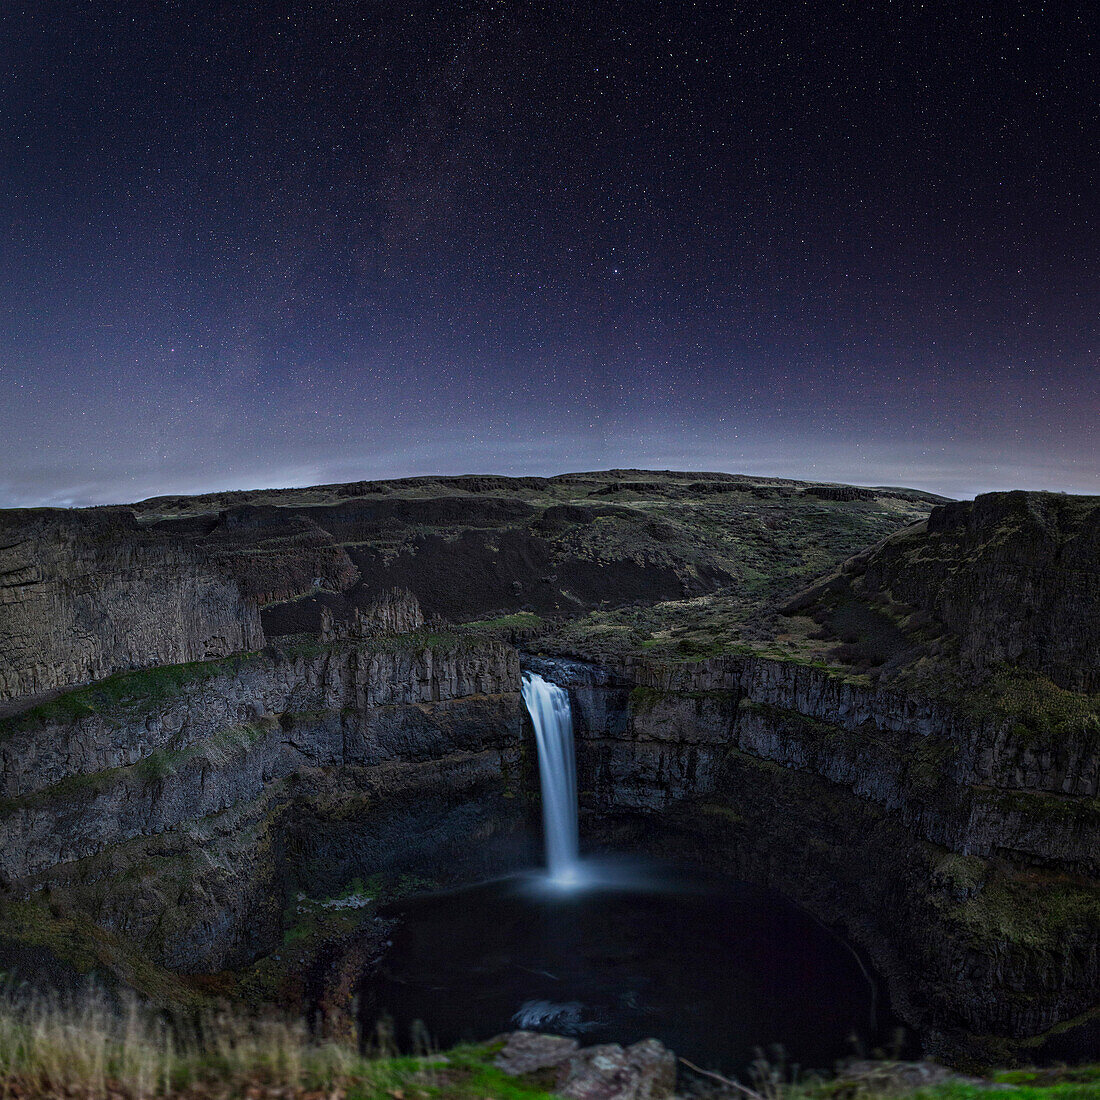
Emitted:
pixel 83 594
pixel 88 592
pixel 962 854
pixel 913 752
pixel 181 816
pixel 1008 578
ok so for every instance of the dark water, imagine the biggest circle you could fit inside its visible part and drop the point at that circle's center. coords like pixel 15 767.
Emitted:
pixel 711 968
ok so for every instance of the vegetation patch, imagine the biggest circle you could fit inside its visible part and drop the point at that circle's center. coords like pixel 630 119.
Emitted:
pixel 142 691
pixel 90 1047
pixel 73 939
pixel 1035 911
pixel 136 690
pixel 310 925
pixel 964 875
pixel 1047 806
pixel 812 728
pixel 503 624
pixel 1035 705
pixel 157 766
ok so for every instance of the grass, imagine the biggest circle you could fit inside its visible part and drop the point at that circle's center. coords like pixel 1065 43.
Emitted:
pixel 964 874
pixel 89 1046
pixel 1066 1090
pixel 92 1048
pixel 1036 705
pixel 753 545
pixel 503 624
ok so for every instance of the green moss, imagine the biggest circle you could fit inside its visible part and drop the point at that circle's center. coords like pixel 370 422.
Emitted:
pixel 1035 705
pixel 341 806
pixel 521 620
pixel 808 727
pixel 470 1075
pixel 962 873
pixel 138 690
pixel 75 940
pixel 158 765
pixel 142 691
pixel 1046 806
pixel 70 789
pixel 1038 914
pixel 310 925
pixel 768 767
pixel 929 762
pixel 644 699
pixel 717 809
pixel 958 1091
pixel 1060 1075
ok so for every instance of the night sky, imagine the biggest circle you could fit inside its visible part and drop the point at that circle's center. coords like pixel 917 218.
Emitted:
pixel 266 244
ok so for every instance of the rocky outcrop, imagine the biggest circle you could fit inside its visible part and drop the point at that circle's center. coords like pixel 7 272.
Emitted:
pixel 642 1071
pixel 1016 576
pixel 178 710
pixel 395 611
pixel 83 595
pixel 1012 577
pixel 647 1070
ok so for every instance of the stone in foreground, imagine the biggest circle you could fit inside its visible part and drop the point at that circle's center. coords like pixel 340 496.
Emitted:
pixel 529 1052
pixel 643 1071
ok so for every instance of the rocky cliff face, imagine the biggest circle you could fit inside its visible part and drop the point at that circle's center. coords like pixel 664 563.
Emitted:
pixel 88 592
pixel 182 823
pixel 83 594
pixel 1017 577
pixel 178 805
pixel 962 855
pixel 1013 578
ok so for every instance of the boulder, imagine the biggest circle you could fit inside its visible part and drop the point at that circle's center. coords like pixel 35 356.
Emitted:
pixel 529 1052
pixel 643 1071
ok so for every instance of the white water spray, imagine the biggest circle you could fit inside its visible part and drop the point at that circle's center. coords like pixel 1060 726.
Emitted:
pixel 553 721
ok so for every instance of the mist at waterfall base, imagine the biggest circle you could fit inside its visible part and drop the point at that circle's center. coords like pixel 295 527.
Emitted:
pixel 620 949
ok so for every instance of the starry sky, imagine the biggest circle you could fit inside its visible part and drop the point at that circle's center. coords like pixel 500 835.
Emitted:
pixel 250 244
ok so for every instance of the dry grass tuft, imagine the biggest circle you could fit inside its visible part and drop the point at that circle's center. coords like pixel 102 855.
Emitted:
pixel 90 1047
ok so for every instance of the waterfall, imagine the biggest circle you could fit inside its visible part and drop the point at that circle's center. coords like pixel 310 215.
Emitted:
pixel 553 721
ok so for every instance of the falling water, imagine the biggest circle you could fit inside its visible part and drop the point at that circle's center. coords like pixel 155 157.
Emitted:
pixel 553 721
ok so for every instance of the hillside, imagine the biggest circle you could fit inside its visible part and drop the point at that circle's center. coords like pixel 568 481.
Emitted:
pixel 88 592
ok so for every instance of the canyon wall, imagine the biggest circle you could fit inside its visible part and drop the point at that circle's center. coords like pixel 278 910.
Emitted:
pixel 1013 578
pixel 186 824
pixel 84 594
pixel 88 592
pixel 964 856
pixel 221 766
